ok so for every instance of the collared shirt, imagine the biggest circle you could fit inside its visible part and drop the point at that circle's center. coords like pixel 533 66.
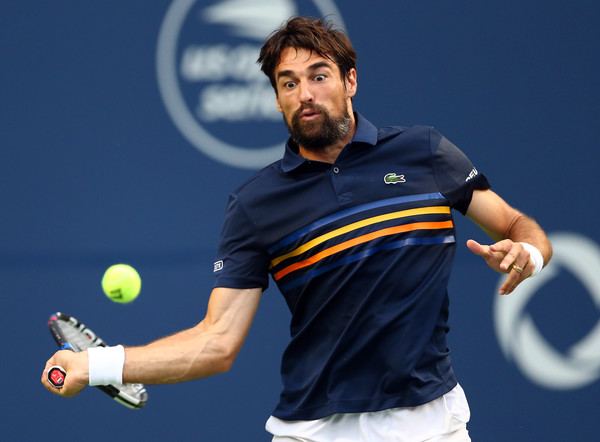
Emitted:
pixel 362 251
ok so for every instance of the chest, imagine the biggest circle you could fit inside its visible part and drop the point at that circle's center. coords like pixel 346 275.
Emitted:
pixel 322 191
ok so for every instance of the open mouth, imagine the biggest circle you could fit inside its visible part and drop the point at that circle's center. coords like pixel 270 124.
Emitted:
pixel 309 114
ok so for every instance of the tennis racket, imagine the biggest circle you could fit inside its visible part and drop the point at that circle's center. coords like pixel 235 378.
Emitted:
pixel 70 334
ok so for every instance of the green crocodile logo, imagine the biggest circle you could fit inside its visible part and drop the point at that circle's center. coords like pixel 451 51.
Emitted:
pixel 392 178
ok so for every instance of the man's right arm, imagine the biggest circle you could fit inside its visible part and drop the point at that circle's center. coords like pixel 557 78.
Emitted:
pixel 208 348
pixel 204 350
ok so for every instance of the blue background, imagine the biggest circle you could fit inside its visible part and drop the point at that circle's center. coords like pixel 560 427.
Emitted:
pixel 94 172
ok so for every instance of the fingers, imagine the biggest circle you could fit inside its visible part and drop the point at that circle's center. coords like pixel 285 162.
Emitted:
pixel 516 258
pixel 512 252
pixel 505 256
pixel 75 365
pixel 511 282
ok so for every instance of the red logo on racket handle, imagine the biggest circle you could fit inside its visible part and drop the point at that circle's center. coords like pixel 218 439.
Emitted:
pixel 56 376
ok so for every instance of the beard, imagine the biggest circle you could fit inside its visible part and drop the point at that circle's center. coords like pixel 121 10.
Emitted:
pixel 318 134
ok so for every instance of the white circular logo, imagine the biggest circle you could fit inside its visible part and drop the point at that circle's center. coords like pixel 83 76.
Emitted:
pixel 521 340
pixel 210 83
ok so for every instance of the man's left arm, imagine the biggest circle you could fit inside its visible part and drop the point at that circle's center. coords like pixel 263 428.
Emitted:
pixel 509 228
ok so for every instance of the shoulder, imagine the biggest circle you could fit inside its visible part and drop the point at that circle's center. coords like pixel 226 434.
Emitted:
pixel 267 176
pixel 417 136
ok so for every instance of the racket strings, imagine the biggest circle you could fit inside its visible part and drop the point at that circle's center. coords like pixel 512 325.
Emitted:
pixel 78 340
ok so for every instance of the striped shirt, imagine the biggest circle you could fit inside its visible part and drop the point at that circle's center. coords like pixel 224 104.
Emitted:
pixel 362 251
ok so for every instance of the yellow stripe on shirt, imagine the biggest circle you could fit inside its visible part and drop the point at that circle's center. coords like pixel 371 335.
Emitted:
pixel 359 240
pixel 357 225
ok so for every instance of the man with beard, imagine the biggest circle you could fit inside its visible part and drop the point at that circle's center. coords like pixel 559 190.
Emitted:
pixel 354 225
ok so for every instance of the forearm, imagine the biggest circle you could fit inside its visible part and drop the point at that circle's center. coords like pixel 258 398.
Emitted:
pixel 190 354
pixel 204 350
pixel 527 230
pixel 501 221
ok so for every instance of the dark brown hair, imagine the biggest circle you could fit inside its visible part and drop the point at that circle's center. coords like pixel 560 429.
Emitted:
pixel 313 34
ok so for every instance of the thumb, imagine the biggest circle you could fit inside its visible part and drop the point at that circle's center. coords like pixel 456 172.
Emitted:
pixel 476 248
pixel 479 249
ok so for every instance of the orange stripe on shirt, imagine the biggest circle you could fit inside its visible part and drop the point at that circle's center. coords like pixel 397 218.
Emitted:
pixel 359 240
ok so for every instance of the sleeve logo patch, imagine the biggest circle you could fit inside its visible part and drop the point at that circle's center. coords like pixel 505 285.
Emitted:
pixel 472 175
pixel 218 266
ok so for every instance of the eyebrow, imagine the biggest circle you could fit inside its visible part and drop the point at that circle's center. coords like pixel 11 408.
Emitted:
pixel 312 67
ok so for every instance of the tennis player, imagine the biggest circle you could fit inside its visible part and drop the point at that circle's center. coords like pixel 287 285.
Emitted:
pixel 354 224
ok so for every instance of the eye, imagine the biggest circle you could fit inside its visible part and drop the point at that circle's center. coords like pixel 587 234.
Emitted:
pixel 319 77
pixel 289 84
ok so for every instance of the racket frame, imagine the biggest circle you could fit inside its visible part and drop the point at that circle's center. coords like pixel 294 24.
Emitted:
pixel 118 392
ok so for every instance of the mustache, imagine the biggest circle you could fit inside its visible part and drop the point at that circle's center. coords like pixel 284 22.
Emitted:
pixel 308 106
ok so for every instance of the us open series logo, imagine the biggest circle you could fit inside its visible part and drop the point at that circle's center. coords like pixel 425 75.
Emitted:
pixel 209 81
pixel 521 340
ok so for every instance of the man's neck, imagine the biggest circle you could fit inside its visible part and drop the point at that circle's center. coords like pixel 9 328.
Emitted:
pixel 328 155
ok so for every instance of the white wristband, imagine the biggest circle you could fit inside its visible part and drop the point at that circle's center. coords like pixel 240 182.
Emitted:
pixel 536 256
pixel 106 365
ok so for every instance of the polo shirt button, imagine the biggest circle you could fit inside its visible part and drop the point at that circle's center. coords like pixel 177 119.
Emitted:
pixel 336 169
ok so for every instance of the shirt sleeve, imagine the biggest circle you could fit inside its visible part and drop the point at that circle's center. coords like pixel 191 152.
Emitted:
pixel 241 260
pixel 455 175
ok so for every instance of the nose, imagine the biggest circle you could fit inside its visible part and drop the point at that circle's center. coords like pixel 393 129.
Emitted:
pixel 306 95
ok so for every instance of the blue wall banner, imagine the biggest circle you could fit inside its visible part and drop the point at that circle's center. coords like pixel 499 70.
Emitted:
pixel 125 126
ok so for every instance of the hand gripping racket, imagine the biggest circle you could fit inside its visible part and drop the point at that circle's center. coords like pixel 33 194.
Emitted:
pixel 70 334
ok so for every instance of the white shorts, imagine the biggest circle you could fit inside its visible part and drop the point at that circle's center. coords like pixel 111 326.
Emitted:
pixel 443 419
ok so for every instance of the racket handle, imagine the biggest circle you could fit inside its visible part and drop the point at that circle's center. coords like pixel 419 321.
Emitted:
pixel 56 376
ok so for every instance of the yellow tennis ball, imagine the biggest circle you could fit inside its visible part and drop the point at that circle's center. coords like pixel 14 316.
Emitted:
pixel 121 283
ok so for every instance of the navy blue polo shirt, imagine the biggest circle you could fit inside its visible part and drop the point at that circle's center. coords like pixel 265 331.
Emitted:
pixel 362 251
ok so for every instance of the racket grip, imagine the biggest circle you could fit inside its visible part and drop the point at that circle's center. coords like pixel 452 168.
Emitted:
pixel 56 376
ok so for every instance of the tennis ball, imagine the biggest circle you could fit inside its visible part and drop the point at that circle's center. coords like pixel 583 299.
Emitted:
pixel 121 283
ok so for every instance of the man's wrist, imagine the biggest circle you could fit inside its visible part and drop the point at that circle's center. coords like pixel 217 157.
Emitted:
pixel 106 365
pixel 536 256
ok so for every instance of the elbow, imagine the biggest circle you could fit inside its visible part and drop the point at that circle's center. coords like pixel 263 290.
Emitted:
pixel 224 363
pixel 224 354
